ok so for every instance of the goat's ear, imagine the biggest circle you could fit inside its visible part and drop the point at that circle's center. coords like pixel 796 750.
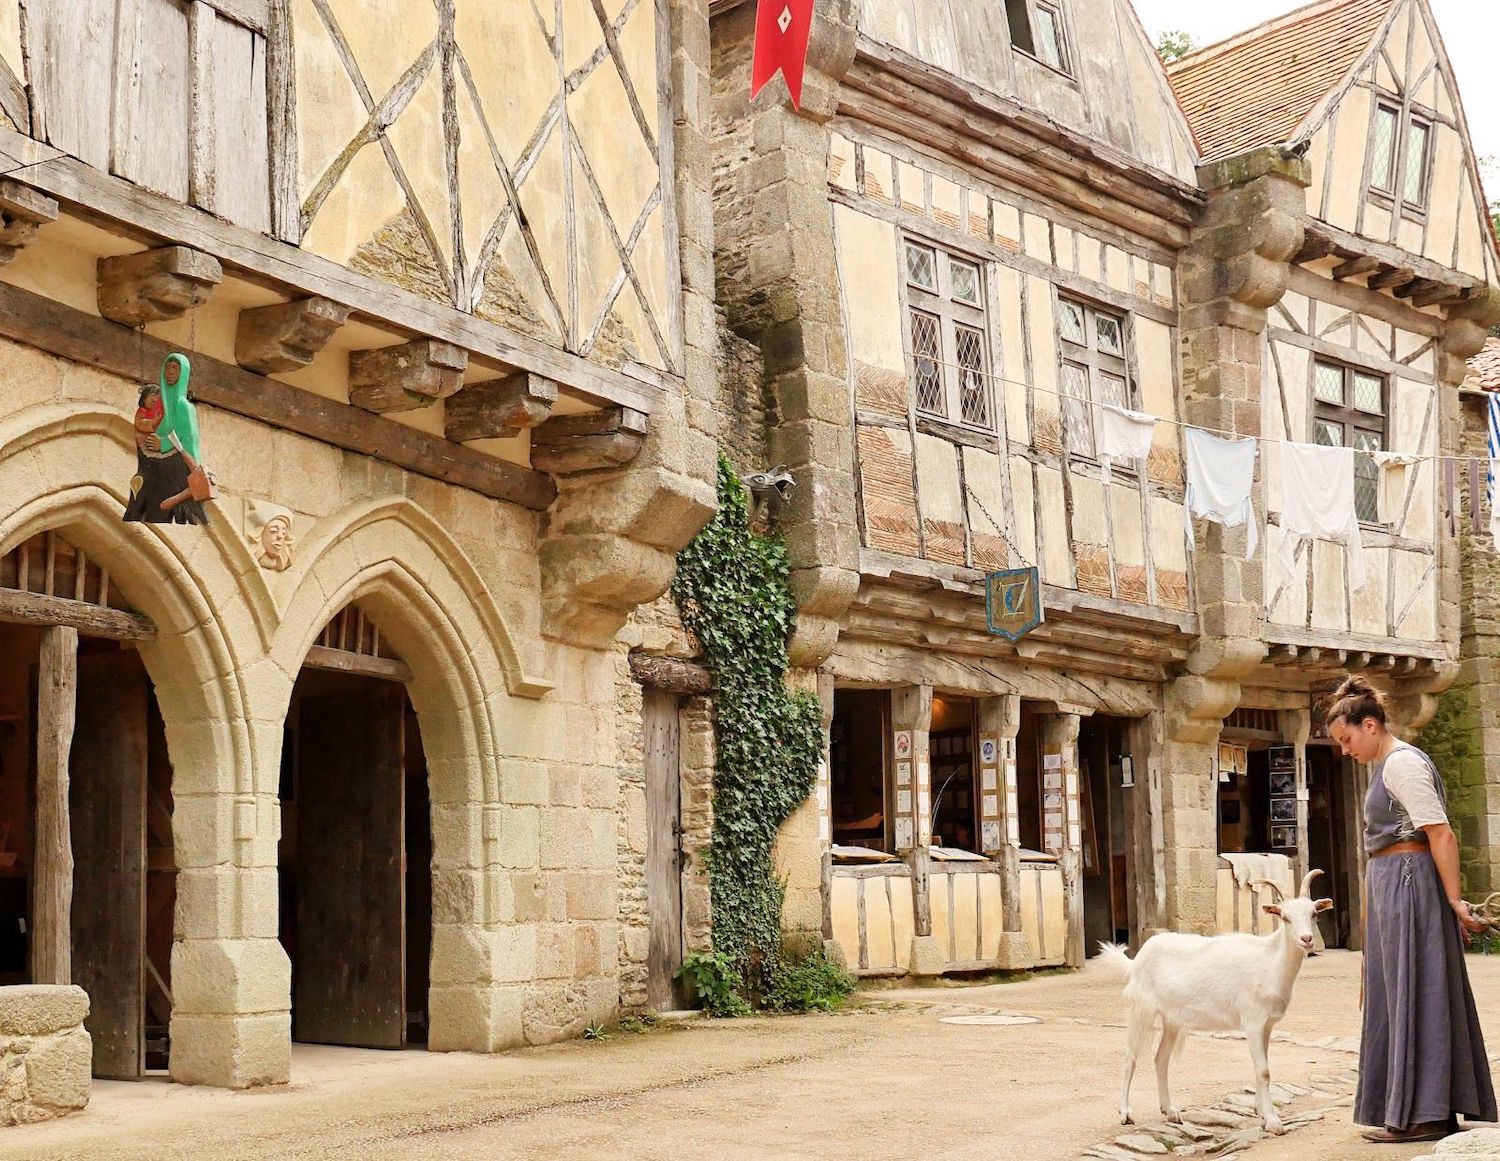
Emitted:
pixel 1324 905
pixel 1271 909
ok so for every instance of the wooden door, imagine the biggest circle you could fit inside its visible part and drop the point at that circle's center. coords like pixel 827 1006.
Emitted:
pixel 663 850
pixel 349 972
pixel 107 801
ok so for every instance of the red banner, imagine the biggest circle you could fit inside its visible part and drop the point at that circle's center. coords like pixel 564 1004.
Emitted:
pixel 782 30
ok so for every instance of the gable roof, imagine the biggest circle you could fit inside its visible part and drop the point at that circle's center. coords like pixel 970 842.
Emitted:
pixel 1260 86
pixel 1484 368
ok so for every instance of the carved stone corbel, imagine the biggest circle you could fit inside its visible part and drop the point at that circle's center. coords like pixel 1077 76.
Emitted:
pixel 23 211
pixel 1464 333
pixel 582 443
pixel 156 285
pixel 406 377
pixel 501 408
pixel 288 335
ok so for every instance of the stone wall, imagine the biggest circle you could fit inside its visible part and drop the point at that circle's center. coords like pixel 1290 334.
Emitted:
pixel 45 1053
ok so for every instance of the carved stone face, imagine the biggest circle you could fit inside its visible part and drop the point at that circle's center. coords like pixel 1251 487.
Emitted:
pixel 276 544
pixel 172 372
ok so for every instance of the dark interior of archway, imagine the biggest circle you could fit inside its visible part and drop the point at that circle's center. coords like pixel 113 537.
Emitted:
pixel 124 877
pixel 355 862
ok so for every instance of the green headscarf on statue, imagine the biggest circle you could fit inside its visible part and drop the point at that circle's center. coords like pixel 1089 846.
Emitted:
pixel 181 417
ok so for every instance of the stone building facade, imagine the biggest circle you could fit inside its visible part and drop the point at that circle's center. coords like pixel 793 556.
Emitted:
pixel 443 277
pixel 983 225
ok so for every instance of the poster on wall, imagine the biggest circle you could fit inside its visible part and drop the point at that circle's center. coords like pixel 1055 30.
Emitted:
pixel 1284 837
pixel 1282 760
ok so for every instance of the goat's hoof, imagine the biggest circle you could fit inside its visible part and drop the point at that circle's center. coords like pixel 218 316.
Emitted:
pixel 1275 1127
pixel 1173 1116
pixel 1126 1118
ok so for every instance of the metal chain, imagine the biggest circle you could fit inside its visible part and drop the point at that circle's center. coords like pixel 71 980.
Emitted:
pixel 998 527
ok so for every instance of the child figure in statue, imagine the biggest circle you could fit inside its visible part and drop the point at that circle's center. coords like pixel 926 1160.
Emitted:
pixel 170 484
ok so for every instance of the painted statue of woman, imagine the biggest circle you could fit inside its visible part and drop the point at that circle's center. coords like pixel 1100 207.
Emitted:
pixel 170 484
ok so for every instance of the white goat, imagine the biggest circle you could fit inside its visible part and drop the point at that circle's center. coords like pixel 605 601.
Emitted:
pixel 1221 982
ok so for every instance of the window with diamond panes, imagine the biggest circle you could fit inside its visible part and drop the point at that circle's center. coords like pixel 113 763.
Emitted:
pixel 1400 148
pixel 946 330
pixel 1094 371
pixel 1350 411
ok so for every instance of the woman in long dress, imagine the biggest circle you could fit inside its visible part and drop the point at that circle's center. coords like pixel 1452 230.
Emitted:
pixel 1421 1055
pixel 167 452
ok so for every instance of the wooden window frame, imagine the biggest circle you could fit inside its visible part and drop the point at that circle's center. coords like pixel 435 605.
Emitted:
pixel 1405 116
pixel 1013 10
pixel 951 314
pixel 1352 419
pixel 1097 364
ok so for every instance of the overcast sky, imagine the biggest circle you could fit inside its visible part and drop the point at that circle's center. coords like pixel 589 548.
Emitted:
pixel 1471 33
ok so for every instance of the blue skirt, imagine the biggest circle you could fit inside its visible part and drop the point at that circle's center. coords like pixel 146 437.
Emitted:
pixel 1421 1057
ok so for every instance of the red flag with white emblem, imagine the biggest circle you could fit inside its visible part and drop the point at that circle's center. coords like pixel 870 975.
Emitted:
pixel 782 30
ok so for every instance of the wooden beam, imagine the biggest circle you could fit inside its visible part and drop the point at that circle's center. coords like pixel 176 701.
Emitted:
pixel 156 285
pixel 1390 276
pixel 51 935
pixel 286 336
pixel 1354 267
pixel 1350 246
pixel 361 664
pixel 73 334
pixel 23 212
pixel 18 608
pixel 1436 294
pixel 589 442
pixel 253 14
pixel 501 408
pixel 122 207
pixel 406 377
pixel 671 674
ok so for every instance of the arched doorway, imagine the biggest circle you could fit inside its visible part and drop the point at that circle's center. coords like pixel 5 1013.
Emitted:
pixel 355 858
pixel 87 869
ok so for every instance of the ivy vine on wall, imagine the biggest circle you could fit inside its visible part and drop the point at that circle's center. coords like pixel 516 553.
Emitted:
pixel 731 588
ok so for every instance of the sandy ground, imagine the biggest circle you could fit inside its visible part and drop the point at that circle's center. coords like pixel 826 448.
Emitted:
pixel 893 1078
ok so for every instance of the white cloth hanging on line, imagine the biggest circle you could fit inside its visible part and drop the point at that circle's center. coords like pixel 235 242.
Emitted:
pixel 1395 473
pixel 1123 435
pixel 1220 478
pixel 1317 503
pixel 1494 472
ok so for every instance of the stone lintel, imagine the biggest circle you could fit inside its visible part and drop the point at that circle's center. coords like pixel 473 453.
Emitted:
pixel 288 335
pixel 156 285
pixel 23 211
pixel 406 377
pixel 1270 160
pixel 589 442
pixel 500 408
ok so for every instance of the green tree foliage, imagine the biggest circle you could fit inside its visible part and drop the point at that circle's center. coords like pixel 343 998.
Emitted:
pixel 731 588
pixel 1174 45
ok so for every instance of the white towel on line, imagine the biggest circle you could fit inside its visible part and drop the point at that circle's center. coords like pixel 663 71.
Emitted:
pixel 1317 503
pixel 1220 477
pixel 1395 472
pixel 1123 435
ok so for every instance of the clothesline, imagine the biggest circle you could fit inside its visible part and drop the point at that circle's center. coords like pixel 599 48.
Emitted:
pixel 1266 439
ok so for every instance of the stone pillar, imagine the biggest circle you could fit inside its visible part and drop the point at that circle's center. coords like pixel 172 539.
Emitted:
pixel 1059 747
pixel 911 719
pixel 1000 834
pixel 777 271
pixel 1236 266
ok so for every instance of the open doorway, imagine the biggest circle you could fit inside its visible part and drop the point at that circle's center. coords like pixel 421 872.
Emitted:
pixel 955 785
pixel 355 859
pixel 1107 855
pixel 857 768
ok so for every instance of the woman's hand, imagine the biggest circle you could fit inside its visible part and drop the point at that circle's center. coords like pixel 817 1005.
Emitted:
pixel 153 443
pixel 1466 920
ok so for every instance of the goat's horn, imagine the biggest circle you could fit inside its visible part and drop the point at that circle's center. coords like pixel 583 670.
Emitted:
pixel 1271 883
pixel 1307 882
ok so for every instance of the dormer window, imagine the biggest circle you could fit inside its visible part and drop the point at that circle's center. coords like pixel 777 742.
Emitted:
pixel 1038 30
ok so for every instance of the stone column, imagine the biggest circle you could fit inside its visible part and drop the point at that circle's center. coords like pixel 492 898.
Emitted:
pixel 1236 266
pixel 911 719
pixel 777 271
pixel 1000 834
pixel 1059 746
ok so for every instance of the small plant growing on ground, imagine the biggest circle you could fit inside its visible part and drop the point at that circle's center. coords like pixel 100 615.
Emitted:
pixel 809 983
pixel 595 1032
pixel 640 1022
pixel 716 982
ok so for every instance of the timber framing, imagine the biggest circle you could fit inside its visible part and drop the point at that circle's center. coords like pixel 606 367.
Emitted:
pixel 1386 267
pixel 23 212
pixel 63 330
pixel 123 208
pixel 360 664
pixel 90 620
pixel 893 91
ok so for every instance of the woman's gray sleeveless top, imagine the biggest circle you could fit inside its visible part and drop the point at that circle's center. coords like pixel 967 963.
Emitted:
pixel 1386 820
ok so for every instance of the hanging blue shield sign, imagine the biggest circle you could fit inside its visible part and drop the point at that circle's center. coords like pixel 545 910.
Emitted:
pixel 1013 602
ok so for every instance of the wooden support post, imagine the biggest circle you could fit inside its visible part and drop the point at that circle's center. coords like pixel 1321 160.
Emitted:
pixel 405 377
pixel 52 888
pixel 911 719
pixel 288 335
pixel 1060 757
pixel 23 211
pixel 588 442
pixel 500 408
pixel 155 285
pixel 1000 824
